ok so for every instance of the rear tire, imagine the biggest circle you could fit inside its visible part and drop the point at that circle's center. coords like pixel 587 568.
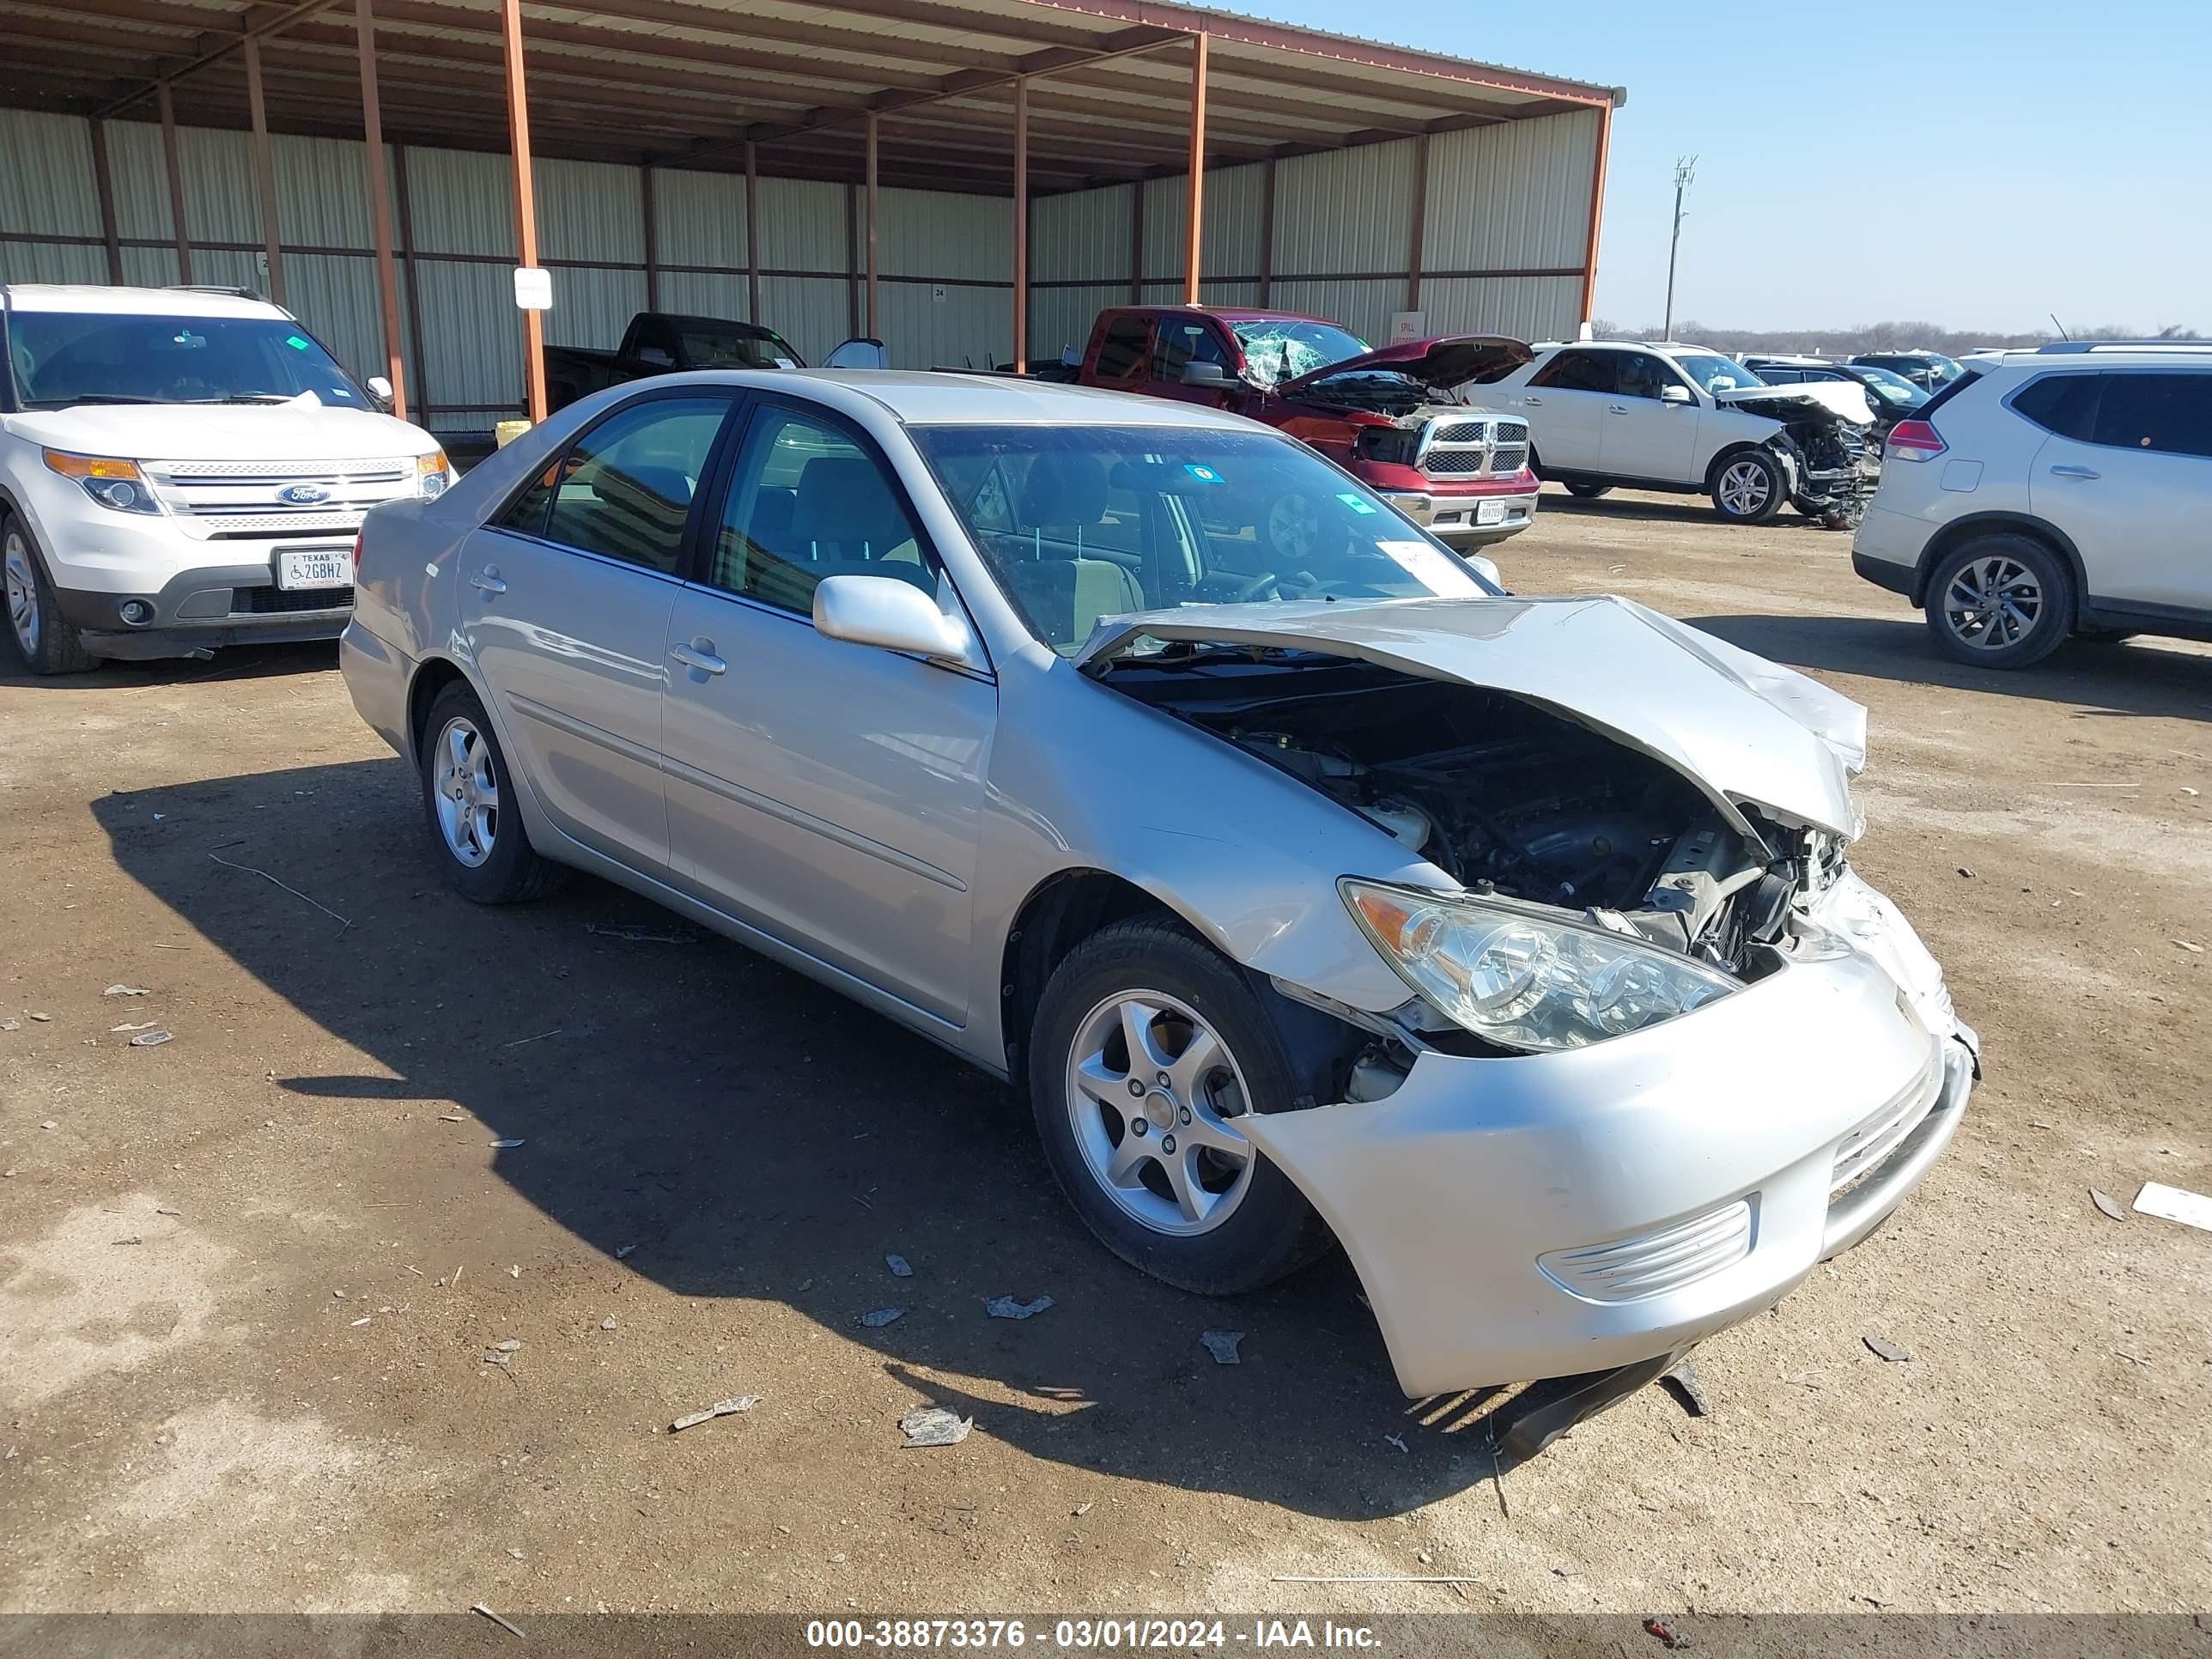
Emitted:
pixel 2003 600
pixel 471 802
pixel 48 641
pixel 1748 486
pixel 1589 492
pixel 1210 1216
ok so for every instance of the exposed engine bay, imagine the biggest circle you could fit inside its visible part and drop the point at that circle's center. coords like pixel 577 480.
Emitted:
pixel 1379 391
pixel 1498 793
pixel 1833 469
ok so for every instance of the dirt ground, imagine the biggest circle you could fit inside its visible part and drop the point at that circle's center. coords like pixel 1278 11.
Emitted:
pixel 249 1276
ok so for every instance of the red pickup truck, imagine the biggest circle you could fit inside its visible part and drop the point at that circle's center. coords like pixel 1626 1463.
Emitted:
pixel 1392 417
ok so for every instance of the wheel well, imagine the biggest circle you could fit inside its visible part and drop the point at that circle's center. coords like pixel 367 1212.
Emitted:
pixel 1713 472
pixel 1059 915
pixel 1952 536
pixel 432 677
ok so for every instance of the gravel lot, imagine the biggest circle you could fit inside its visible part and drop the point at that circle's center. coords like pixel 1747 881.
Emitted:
pixel 249 1276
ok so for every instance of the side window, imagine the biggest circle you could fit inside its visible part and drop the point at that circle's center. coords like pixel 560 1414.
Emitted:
pixel 808 502
pixel 2063 404
pixel 1121 353
pixel 1642 375
pixel 2169 413
pixel 624 489
pixel 1186 341
pixel 1578 371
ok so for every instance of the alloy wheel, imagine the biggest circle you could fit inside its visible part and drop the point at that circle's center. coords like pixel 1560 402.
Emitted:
pixel 1992 602
pixel 1154 1095
pixel 23 585
pixel 467 792
pixel 1745 487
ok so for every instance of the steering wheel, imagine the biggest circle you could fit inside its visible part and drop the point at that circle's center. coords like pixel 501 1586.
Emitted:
pixel 1252 587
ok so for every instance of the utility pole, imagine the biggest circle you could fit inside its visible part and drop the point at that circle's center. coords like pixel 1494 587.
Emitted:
pixel 1685 169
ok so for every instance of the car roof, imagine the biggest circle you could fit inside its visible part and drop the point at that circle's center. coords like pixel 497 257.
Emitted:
pixel 136 302
pixel 937 399
pixel 1228 314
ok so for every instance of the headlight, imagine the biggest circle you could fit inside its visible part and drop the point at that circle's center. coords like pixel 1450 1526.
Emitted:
pixel 112 482
pixel 434 472
pixel 1524 979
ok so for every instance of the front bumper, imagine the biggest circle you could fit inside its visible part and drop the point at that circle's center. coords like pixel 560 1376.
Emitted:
pixel 200 610
pixel 1549 1215
pixel 1457 518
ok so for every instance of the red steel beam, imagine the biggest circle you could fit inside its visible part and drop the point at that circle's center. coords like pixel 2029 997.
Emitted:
pixel 264 172
pixel 1195 235
pixel 526 207
pixel 1022 224
pixel 380 206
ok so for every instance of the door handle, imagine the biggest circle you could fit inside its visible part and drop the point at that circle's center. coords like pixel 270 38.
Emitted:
pixel 698 657
pixel 2075 472
pixel 1533 403
pixel 488 580
pixel 1616 409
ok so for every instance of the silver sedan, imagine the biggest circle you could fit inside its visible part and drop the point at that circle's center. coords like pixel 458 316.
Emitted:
pixel 1509 943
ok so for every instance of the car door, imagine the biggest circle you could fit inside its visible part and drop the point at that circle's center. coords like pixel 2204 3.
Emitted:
pixel 1646 436
pixel 2135 493
pixel 564 606
pixel 1564 401
pixel 828 793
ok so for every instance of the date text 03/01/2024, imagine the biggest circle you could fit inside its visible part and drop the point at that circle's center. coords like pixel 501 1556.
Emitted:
pixel 1138 1634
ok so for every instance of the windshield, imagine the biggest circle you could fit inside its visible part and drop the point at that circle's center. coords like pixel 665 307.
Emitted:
pixel 730 348
pixel 65 357
pixel 1079 523
pixel 1716 372
pixel 1278 348
pixel 1891 388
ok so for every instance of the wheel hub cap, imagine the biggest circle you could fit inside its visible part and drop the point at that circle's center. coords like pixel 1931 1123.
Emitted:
pixel 23 596
pixel 1992 603
pixel 467 790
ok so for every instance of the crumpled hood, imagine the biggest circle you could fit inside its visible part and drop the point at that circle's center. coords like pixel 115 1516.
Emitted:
pixel 1819 400
pixel 1743 729
pixel 1442 363
pixel 301 430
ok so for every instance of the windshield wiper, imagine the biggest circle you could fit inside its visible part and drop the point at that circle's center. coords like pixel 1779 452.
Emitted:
pixel 94 397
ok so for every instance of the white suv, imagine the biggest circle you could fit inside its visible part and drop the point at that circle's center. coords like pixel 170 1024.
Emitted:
pixel 2065 491
pixel 182 469
pixel 1603 413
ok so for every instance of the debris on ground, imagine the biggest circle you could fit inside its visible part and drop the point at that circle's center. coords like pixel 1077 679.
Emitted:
pixel 2174 1204
pixel 1399 1440
pixel 1006 1307
pixel 479 1606
pixel 11 1024
pixel 357 1323
pixel 1666 1631
pixel 43 1019
pixel 1965 871
pixel 452 1117
pixel 502 1353
pixel 126 991
pixel 2193 949
pixel 623 1251
pixel 142 1025
pixel 133 1239
pixel 344 922
pixel 730 1407
pixel 150 1039
pixel 876 1318
pixel 505 1146
pixel 515 1272
pixel 640 935
pixel 899 1266
pixel 608 1323
pixel 1886 1350
pixel 1222 1345
pixel 2108 1204
pixel 540 1037
pixel 1371 1579
pixel 933 1425
pixel 50 1124
pixel 1686 1386
pixel 1085 1508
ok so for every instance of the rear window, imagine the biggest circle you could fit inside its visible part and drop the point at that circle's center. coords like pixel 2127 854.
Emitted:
pixel 1952 389
pixel 1123 348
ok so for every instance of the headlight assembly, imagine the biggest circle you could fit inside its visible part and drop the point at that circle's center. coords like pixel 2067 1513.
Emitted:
pixel 1524 979
pixel 434 472
pixel 111 481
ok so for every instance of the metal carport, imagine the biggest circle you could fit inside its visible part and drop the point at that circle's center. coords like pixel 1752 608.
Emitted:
pixel 966 176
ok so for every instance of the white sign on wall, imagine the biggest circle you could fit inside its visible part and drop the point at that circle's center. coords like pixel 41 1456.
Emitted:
pixel 1408 325
pixel 937 292
pixel 533 288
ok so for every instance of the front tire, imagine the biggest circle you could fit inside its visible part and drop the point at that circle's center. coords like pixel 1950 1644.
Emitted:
pixel 48 641
pixel 1589 492
pixel 1748 487
pixel 468 799
pixel 1146 1049
pixel 2001 601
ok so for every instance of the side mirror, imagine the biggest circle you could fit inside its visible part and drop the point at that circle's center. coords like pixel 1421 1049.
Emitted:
pixel 892 615
pixel 861 353
pixel 1676 394
pixel 1196 373
pixel 657 355
pixel 381 389
pixel 1486 568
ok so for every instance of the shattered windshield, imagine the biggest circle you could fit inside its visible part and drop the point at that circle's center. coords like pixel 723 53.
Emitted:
pixel 1716 372
pixel 1079 523
pixel 1278 348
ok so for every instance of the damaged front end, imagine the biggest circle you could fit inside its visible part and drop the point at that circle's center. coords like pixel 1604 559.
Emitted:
pixel 1826 445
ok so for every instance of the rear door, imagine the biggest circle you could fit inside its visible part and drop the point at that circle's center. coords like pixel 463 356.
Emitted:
pixel 1565 402
pixel 1123 359
pixel 829 794
pixel 565 603
pixel 2128 475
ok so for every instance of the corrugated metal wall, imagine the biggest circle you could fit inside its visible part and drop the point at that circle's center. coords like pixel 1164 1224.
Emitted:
pixel 1504 225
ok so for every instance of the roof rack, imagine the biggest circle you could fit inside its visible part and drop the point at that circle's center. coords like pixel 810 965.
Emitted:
pixel 230 289
pixel 2075 348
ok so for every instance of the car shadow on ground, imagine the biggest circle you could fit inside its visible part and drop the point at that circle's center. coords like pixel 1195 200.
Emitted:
pixel 232 663
pixel 2141 678
pixel 1671 509
pixel 727 1128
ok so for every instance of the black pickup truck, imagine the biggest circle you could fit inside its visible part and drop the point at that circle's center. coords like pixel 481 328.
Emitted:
pixel 657 342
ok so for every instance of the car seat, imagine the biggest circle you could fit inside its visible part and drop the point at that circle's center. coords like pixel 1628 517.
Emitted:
pixel 1063 498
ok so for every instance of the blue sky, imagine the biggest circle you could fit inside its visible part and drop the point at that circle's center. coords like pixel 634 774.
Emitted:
pixel 1953 161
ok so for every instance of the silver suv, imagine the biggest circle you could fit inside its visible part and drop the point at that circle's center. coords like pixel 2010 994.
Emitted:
pixel 2051 494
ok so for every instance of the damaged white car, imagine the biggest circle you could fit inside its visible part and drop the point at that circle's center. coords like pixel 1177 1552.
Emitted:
pixel 1509 943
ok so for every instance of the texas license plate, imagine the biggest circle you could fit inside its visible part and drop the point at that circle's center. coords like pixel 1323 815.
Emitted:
pixel 1490 512
pixel 314 567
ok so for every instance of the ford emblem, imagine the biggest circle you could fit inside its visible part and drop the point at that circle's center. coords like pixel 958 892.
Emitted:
pixel 303 495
